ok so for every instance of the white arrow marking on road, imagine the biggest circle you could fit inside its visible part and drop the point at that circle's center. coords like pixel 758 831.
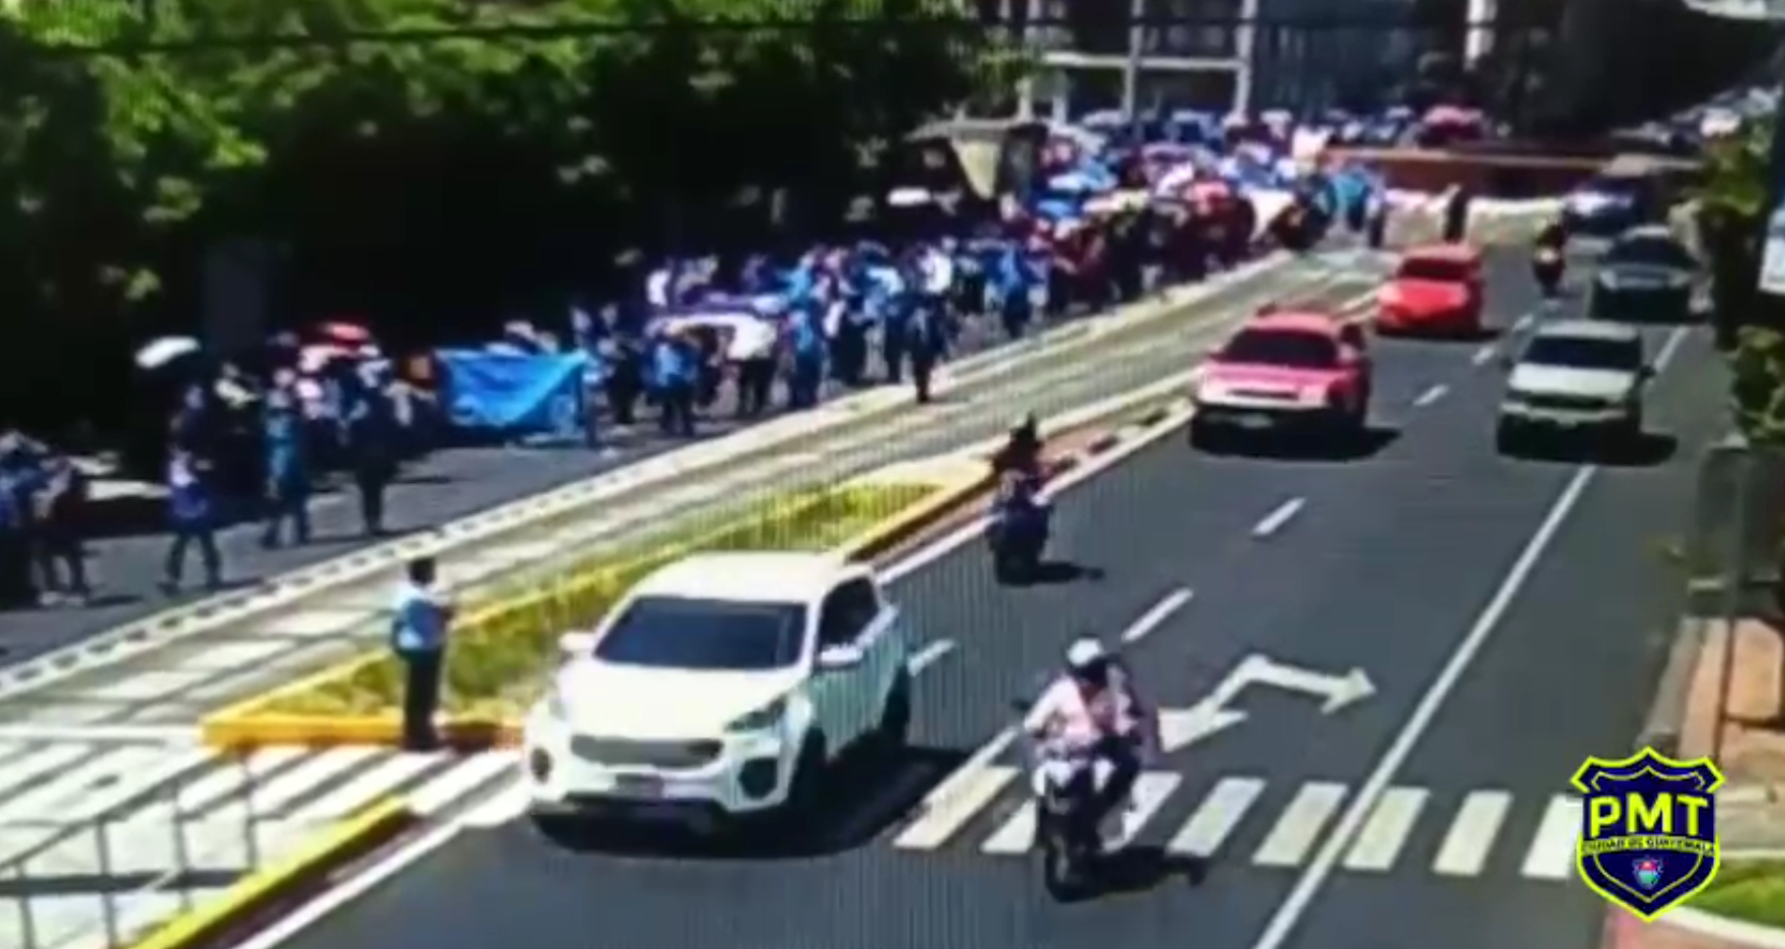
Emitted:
pixel 1180 728
pixel 1338 690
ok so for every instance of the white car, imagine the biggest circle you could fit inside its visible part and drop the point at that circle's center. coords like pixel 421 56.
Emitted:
pixel 717 691
pixel 1575 377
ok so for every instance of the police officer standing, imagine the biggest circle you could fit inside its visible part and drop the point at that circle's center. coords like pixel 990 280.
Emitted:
pixel 418 636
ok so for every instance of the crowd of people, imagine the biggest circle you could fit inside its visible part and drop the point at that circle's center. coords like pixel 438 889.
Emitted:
pixel 1106 223
pixel 236 447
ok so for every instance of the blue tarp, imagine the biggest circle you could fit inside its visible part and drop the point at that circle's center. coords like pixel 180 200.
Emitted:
pixel 512 395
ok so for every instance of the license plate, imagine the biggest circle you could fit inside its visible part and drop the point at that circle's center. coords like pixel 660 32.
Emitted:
pixel 638 787
pixel 1253 422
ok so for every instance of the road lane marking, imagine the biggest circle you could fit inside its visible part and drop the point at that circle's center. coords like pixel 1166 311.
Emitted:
pixel 1552 853
pixel 1470 839
pixel 1431 395
pixel 1215 819
pixel 1283 922
pixel 1301 896
pixel 1017 834
pixel 1275 521
pixel 1154 618
pixel 1484 354
pixel 1385 833
pixel 930 655
pixel 383 778
pixel 1299 828
pixel 1523 323
pixel 944 817
pixel 287 788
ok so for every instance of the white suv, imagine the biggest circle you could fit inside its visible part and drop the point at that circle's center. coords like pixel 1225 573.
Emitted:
pixel 719 689
pixel 1575 377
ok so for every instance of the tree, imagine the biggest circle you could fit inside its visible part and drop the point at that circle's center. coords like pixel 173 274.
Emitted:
pixel 431 164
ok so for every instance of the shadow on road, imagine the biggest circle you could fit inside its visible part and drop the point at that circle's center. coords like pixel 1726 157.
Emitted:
pixel 863 798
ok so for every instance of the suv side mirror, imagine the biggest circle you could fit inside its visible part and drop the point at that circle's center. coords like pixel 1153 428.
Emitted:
pixel 1646 372
pixel 576 644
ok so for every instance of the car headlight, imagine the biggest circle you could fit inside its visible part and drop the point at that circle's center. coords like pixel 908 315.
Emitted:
pixel 552 706
pixel 1319 395
pixel 762 719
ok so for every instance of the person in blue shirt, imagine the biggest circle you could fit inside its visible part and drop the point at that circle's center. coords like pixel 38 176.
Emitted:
pixel 675 373
pixel 18 483
pixel 420 623
pixel 287 471
pixel 925 338
pixel 589 334
pixel 892 304
pixel 806 339
pixel 193 519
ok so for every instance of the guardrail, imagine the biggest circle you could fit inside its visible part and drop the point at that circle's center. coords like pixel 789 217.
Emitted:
pixel 101 879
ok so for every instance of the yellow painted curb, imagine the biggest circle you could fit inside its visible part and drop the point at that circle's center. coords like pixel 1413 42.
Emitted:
pixel 900 527
pixel 259 891
pixel 252 729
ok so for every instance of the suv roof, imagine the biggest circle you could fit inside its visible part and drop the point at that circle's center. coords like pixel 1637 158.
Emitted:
pixel 751 577
pixel 1587 329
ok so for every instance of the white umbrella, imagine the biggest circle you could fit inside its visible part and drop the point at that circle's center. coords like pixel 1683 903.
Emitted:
pixel 165 350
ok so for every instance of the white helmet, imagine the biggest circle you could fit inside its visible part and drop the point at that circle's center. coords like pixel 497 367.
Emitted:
pixel 1085 653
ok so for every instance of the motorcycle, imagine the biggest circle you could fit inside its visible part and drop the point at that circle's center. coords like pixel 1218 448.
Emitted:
pixel 1017 540
pixel 1546 267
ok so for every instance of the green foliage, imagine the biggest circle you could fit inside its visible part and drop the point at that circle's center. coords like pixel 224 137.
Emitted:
pixel 432 161
pixel 1757 388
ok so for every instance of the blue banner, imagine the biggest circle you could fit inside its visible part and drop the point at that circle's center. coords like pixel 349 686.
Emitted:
pixel 512 394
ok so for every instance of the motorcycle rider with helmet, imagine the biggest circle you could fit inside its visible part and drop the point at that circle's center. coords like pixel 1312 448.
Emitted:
pixel 1021 451
pixel 1094 712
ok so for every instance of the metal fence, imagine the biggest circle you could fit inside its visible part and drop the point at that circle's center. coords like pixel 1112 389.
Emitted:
pixel 112 870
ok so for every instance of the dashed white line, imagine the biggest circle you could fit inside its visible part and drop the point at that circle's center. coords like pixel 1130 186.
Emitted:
pixel 1522 323
pixel 1430 395
pixel 1156 617
pixel 1483 355
pixel 930 655
pixel 1273 522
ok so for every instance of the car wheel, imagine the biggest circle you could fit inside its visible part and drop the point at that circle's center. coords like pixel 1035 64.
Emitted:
pixel 1506 438
pixel 560 830
pixel 1202 436
pixel 895 719
pixel 806 787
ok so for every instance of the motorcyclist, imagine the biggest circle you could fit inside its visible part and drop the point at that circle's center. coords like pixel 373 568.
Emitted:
pixel 1021 451
pixel 1094 711
pixel 1546 256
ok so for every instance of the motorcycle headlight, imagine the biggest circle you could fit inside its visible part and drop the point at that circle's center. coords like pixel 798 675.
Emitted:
pixel 762 719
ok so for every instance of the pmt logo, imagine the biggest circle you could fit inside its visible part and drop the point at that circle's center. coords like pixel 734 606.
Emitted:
pixel 1648 837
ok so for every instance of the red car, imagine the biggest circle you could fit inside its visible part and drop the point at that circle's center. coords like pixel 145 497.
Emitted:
pixel 1285 371
pixel 1437 291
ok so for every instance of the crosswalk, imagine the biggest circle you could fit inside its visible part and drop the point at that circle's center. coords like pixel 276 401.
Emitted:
pixel 1474 833
pixel 139 832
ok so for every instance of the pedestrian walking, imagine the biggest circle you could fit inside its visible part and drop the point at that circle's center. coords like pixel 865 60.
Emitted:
pixel 16 491
pixel 287 471
pixel 59 533
pixel 192 514
pixel 373 453
pixel 752 355
pixel 675 372
pixel 419 629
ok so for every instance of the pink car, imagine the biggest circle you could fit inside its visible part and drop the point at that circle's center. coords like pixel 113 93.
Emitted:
pixel 1301 372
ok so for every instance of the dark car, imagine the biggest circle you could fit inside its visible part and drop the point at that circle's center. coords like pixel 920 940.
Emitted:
pixel 1647 274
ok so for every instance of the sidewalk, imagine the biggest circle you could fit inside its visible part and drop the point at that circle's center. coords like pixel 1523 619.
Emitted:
pixel 1733 711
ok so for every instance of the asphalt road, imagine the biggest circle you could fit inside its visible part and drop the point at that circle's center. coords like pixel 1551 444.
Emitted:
pixel 1505 642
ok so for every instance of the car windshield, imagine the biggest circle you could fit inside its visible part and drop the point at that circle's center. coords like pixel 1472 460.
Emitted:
pixel 1282 348
pixel 1433 268
pixel 676 633
pixel 1576 352
pixel 1650 252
